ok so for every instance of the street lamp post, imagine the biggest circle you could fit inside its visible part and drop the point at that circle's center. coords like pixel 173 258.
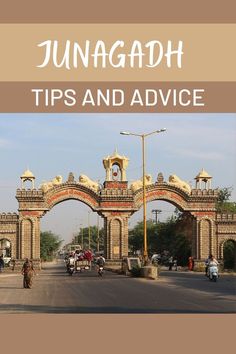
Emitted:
pixel 143 136
pixel 82 237
pixel 89 233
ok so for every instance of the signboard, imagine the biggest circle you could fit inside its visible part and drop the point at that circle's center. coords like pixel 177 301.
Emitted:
pixel 133 262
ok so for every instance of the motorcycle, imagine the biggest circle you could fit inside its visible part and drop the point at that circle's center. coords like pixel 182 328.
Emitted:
pixel 70 269
pixel 100 271
pixel 213 273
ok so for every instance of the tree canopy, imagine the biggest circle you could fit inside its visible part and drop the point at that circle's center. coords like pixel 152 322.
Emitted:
pixel 82 237
pixel 49 245
pixel 223 204
pixel 163 237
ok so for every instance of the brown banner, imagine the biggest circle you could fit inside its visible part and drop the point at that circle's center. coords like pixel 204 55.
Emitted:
pixel 108 97
pixel 122 11
pixel 111 52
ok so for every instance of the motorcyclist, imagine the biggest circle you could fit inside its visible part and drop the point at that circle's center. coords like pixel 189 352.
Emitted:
pixel 100 264
pixel 70 261
pixel 100 261
pixel 212 263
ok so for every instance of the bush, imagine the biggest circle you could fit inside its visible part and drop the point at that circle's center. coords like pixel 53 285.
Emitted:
pixel 135 271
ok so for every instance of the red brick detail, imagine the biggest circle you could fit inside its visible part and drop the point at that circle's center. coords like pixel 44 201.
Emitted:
pixel 204 213
pixel 162 194
pixel 31 213
pixel 116 213
pixel 116 184
pixel 71 193
pixel 177 197
pixel 116 204
pixel 57 196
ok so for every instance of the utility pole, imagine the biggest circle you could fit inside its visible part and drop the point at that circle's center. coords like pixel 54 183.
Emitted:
pixel 98 240
pixel 156 212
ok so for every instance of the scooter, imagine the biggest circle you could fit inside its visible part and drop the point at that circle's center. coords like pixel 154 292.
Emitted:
pixel 213 273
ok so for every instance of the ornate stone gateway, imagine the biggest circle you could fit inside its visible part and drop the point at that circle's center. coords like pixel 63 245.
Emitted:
pixel 116 201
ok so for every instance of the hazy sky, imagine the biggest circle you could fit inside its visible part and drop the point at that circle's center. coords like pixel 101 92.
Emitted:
pixel 56 144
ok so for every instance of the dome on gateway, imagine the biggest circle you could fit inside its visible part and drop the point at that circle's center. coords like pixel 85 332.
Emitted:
pixel 203 174
pixel 27 174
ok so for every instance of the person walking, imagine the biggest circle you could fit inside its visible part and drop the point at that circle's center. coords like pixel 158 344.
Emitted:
pixel 13 263
pixel 175 264
pixel 171 263
pixel 1 263
pixel 27 271
pixel 190 263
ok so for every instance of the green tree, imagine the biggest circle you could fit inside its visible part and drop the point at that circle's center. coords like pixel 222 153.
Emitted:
pixel 224 194
pixel 162 236
pixel 223 204
pixel 49 245
pixel 84 234
pixel 136 237
pixel 229 254
pixel 181 249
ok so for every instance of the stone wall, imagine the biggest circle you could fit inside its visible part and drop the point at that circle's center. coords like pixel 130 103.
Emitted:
pixel 226 230
pixel 9 231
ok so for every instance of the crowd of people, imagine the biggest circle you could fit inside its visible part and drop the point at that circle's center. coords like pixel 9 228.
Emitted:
pixel 79 255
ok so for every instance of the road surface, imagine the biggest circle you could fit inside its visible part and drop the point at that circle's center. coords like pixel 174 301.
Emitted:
pixel 54 291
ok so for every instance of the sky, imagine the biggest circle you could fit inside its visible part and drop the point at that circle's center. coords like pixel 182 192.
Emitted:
pixel 56 144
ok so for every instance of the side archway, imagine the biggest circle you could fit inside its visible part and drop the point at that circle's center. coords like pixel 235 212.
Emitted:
pixel 165 192
pixel 65 192
pixel 199 204
pixel 228 253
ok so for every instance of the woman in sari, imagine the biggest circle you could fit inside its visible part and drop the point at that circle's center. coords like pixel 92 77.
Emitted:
pixel 27 271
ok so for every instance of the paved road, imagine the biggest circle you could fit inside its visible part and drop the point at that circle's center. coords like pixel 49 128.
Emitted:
pixel 54 291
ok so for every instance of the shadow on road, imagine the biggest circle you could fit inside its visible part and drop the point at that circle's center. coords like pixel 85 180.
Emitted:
pixel 199 282
pixel 18 308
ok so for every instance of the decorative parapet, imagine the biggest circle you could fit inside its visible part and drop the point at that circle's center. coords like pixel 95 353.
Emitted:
pixel 116 198
pixel 226 217
pixel 29 193
pixel 116 192
pixel 9 217
pixel 204 192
